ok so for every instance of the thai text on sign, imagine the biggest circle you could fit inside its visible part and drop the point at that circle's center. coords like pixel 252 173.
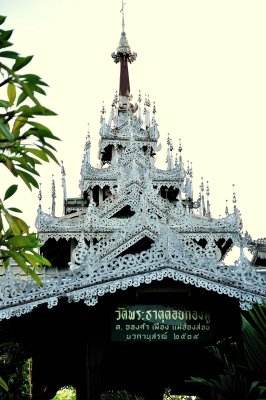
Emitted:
pixel 148 323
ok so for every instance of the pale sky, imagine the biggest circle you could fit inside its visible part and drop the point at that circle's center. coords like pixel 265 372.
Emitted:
pixel 202 61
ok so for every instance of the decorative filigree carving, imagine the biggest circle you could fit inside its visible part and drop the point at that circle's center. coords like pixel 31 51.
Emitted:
pixel 167 257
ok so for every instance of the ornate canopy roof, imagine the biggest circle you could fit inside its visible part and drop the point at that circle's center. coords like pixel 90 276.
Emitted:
pixel 134 223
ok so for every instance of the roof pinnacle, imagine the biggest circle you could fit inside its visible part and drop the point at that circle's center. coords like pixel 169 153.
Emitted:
pixel 124 55
pixel 123 16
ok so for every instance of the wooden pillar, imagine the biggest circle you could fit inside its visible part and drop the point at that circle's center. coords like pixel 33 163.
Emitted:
pixel 88 387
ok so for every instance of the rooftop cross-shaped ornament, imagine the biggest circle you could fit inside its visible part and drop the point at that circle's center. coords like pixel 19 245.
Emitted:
pixel 124 56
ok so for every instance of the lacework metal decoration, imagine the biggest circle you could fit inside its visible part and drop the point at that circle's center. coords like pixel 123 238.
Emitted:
pixel 126 201
pixel 167 257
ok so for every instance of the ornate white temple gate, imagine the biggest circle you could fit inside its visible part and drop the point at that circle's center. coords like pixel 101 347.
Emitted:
pixel 143 255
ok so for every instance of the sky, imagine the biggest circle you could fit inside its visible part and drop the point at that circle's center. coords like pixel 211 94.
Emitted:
pixel 203 62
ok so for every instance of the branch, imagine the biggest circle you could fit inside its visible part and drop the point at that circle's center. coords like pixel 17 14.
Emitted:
pixel 6 81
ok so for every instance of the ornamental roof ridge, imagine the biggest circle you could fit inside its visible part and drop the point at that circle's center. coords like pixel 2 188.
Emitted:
pixel 93 278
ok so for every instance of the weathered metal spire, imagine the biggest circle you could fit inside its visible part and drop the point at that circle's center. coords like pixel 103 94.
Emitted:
pixel 63 177
pixel 53 196
pixel 124 55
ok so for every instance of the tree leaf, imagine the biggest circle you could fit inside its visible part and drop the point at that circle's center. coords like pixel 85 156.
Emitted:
pixel 20 121
pixel 11 222
pixel 14 209
pixel 10 191
pixel 21 98
pixel 51 155
pixel 2 382
pixel 21 62
pixel 21 224
pixel 9 54
pixel 37 110
pixel 28 241
pixel 5 35
pixel 28 179
pixel 4 129
pixel 41 260
pixel 4 104
pixel 2 19
pixel 39 153
pixel 11 93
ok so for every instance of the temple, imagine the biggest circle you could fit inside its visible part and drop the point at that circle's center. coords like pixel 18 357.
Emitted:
pixel 138 266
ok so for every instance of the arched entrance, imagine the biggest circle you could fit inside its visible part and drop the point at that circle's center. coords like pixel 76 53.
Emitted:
pixel 132 340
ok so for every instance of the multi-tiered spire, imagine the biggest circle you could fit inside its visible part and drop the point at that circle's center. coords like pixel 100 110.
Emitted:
pixel 124 55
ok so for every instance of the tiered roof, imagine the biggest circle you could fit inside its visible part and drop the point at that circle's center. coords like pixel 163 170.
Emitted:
pixel 135 223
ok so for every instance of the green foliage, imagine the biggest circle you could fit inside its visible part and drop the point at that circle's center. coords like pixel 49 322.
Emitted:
pixel 242 373
pixel 24 144
pixel 120 395
pixel 65 393
pixel 14 368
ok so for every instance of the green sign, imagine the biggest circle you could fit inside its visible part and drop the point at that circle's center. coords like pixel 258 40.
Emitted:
pixel 156 323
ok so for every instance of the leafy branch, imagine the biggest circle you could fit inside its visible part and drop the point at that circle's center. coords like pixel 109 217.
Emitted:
pixel 25 144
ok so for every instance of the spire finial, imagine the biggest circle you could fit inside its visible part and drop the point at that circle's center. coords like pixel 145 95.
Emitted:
pixel 53 196
pixel 63 177
pixel 123 16
pixel 40 194
pixel 124 55
pixel 234 196
pixel 226 207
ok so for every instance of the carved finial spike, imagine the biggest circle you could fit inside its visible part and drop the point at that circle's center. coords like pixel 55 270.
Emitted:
pixel 63 172
pixel 202 185
pixel 234 196
pixel 180 146
pixel 40 194
pixel 123 16
pixel 176 160
pixel 208 209
pixel 226 207
pixel 191 170
pixel 53 196
pixel 171 145
pixel 207 189
pixel 53 187
pixel 154 108
pixel 139 98
pixel 88 140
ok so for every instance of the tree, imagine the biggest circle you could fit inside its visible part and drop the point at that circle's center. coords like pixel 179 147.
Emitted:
pixel 242 372
pixel 14 367
pixel 25 144
pixel 65 393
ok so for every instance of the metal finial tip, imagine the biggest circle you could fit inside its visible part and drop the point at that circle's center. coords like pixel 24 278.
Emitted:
pixel 207 189
pixel 180 146
pixel 171 145
pixel 202 185
pixel 139 98
pixel 40 193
